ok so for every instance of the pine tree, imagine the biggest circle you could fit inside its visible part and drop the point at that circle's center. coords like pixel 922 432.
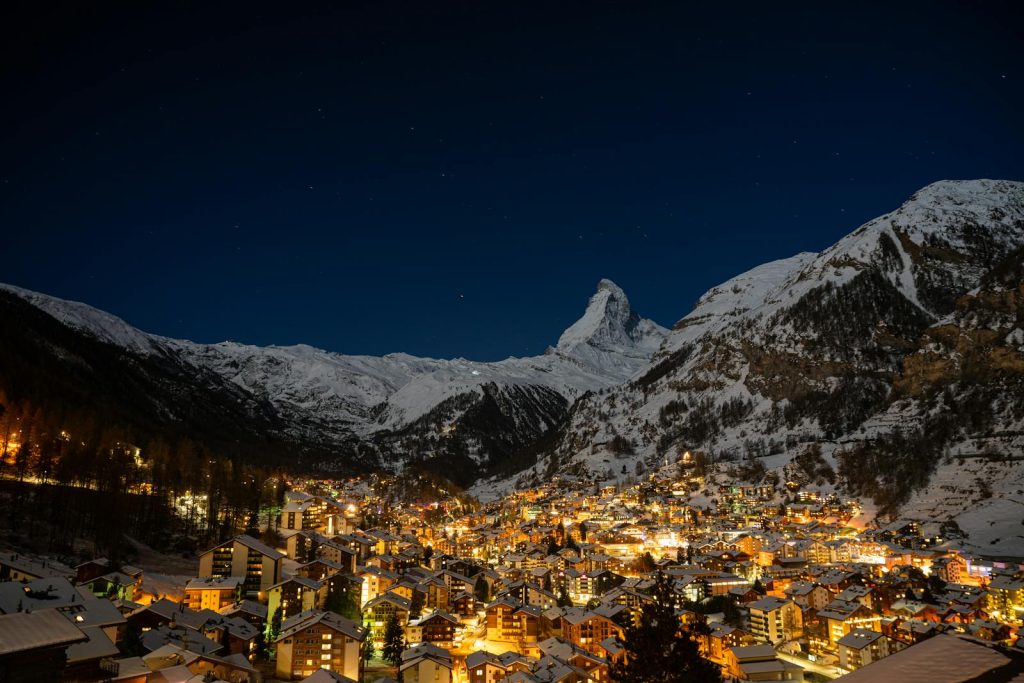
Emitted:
pixel 416 605
pixel 481 590
pixel 658 649
pixel 341 599
pixel 394 641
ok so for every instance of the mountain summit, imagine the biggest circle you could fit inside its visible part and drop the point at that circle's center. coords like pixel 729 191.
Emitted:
pixel 610 323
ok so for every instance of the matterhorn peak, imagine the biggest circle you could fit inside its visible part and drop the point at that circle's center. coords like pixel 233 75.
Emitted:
pixel 606 285
pixel 609 323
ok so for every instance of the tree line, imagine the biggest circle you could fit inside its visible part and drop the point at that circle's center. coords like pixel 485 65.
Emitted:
pixel 67 477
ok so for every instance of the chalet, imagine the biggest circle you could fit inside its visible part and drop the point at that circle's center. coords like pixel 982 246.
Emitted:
pixel 252 612
pixel 259 565
pixel 426 664
pixel 808 595
pixel 304 546
pixel 319 640
pixel 376 582
pixel 463 604
pixel 760 663
pixel 841 617
pixel 377 611
pixel 487 667
pixel 294 595
pixel 439 628
pixel 34 645
pixel 529 594
pixel 303 511
pixel 116 585
pixel 860 647
pixel 98 619
pixel 774 620
pixel 587 629
pixel 720 638
pixel 1006 596
pixel 319 569
pixel 210 593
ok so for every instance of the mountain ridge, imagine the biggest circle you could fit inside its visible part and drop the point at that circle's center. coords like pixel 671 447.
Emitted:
pixel 335 397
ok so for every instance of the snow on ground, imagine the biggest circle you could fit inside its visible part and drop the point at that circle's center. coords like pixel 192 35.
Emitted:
pixel 165 585
pixel 984 497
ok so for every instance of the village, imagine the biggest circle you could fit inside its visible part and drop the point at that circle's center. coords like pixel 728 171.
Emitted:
pixel 537 587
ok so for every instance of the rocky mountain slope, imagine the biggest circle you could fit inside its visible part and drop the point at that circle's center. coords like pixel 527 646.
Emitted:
pixel 902 335
pixel 382 410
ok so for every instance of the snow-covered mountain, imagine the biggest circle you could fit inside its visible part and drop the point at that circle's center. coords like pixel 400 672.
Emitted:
pixel 898 353
pixel 332 397
pixel 837 349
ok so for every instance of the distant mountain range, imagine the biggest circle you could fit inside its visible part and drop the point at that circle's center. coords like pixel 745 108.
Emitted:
pixel 895 352
pixel 375 411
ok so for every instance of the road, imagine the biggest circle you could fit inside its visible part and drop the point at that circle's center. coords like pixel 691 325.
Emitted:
pixel 828 672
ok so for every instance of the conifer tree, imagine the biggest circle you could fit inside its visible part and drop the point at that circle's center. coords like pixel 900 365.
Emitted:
pixel 481 590
pixel 659 649
pixel 394 641
pixel 416 604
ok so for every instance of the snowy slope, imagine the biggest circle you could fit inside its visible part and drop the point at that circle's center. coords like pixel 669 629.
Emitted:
pixel 92 321
pixel 743 296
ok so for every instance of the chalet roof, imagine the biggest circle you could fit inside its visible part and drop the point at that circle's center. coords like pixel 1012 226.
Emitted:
pixel 326 676
pixel 426 649
pixel 297 506
pixel 839 610
pixel 96 647
pixel 577 615
pixel 799 588
pixel 26 631
pixel 859 638
pixel 184 638
pixel 438 614
pixel 304 620
pixel 948 658
pixel 776 667
pixel 303 581
pixel 393 598
pixel 753 653
pixel 33 567
pixel 259 546
pixel 768 603
pixel 216 583
pixel 481 657
pixel 117 578
pixel 377 571
pixel 56 592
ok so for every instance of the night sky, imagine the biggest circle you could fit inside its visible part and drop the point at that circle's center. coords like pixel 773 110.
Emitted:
pixel 452 179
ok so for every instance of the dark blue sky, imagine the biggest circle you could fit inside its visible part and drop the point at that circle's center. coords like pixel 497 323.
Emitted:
pixel 453 178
